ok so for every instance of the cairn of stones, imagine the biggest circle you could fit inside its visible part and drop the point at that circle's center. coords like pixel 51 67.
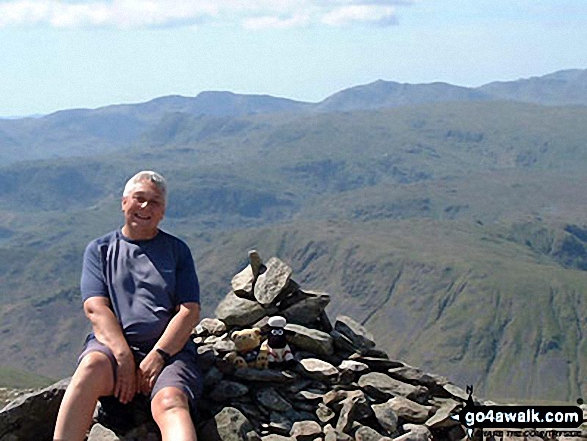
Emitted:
pixel 341 387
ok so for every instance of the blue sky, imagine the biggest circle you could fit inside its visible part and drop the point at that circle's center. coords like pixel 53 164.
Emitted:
pixel 60 54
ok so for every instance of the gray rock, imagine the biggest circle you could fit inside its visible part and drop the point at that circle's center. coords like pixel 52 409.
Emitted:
pixel 225 364
pixel 331 434
pixel 242 283
pixel 269 398
pixel 386 416
pixel 250 410
pixel 308 309
pixel 226 390
pixel 456 391
pixel 377 364
pixel 290 295
pixel 32 416
pixel 317 369
pixel 212 377
pixel 415 433
pixel 206 358
pixel 410 410
pixel 264 375
pixel 304 407
pixel 325 323
pixel 270 284
pixel 281 423
pixel 353 366
pixel 309 395
pixel 410 374
pixel 236 311
pixel 232 425
pixel 442 417
pixel 381 387
pixel 376 353
pixel 342 344
pixel 311 340
pixel 7 395
pixel 365 433
pixel 224 345
pixel 211 339
pixel 210 326
pixel 333 398
pixel 354 408
pixel 253 436
pixel 101 433
pixel 324 413
pixel 306 430
pixel 355 332
pixel 256 263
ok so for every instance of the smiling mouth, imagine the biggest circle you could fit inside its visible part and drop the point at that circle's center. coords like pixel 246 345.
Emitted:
pixel 141 217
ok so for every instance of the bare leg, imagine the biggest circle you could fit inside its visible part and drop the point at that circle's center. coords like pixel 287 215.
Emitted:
pixel 92 379
pixel 171 412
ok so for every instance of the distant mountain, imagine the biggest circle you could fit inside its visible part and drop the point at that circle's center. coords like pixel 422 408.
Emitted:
pixel 566 87
pixel 387 94
pixel 85 132
pixel 208 103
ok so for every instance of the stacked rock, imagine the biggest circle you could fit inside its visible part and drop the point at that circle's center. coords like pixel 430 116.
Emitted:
pixel 341 387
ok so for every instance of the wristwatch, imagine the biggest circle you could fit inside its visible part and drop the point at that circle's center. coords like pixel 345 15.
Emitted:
pixel 164 355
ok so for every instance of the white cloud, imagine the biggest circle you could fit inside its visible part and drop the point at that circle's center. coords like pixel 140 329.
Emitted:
pixel 380 15
pixel 251 14
pixel 274 22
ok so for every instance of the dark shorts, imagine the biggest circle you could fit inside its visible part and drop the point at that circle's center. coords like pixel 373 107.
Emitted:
pixel 181 371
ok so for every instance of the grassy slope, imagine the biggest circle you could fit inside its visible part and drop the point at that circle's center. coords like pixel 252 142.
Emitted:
pixel 13 378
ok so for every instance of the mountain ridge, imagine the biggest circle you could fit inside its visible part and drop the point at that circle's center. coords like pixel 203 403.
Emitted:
pixel 123 124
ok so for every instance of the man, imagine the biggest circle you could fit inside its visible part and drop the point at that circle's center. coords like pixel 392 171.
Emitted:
pixel 141 294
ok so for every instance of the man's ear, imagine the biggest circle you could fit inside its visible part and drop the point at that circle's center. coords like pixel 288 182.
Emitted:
pixel 122 200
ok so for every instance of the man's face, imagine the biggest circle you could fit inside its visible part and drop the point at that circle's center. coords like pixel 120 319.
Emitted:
pixel 144 208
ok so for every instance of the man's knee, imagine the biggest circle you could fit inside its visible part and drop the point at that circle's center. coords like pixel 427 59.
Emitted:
pixel 96 367
pixel 169 399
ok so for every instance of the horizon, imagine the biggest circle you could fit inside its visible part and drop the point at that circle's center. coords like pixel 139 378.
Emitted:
pixel 41 115
pixel 69 54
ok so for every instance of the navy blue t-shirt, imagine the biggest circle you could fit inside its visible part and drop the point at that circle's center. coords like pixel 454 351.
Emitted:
pixel 145 280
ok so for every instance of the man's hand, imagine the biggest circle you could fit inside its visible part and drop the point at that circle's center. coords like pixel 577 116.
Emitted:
pixel 148 371
pixel 126 385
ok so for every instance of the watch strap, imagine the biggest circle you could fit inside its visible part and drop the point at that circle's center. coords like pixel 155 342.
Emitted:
pixel 164 355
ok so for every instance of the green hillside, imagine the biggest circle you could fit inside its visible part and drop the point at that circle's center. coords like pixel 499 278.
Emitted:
pixel 456 232
pixel 13 378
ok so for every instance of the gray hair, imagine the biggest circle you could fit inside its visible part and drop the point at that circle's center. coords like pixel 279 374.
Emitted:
pixel 148 176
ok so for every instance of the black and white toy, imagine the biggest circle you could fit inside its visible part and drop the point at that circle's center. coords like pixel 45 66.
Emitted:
pixel 278 351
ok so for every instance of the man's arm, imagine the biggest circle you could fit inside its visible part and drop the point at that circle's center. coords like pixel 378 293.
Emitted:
pixel 108 331
pixel 172 341
pixel 180 328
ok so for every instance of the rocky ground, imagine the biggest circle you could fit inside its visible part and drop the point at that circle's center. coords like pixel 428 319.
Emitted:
pixel 7 395
pixel 340 386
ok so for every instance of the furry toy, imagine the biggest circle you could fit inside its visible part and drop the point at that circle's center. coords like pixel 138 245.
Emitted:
pixel 276 347
pixel 248 354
